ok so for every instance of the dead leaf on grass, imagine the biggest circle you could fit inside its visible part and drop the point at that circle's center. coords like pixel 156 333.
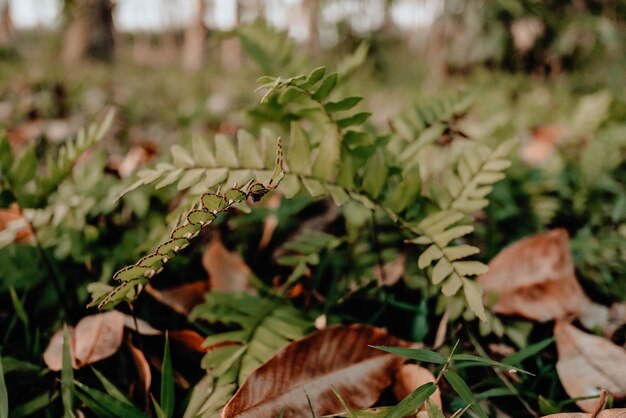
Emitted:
pixel 534 278
pixel 336 356
pixel 94 338
pixel 588 363
pixel 227 271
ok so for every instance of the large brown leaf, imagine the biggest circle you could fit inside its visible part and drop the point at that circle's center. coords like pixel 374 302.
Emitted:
pixel 534 278
pixel 588 363
pixel 95 338
pixel 335 357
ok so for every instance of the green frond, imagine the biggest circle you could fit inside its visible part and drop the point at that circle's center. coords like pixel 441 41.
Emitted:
pixel 264 326
pixel 210 205
pixel 212 164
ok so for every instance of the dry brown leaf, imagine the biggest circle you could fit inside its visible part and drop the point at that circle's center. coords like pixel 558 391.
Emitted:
pixel 607 413
pixel 144 374
pixel 411 376
pixel 534 278
pixel 542 144
pixel 335 357
pixel 95 338
pixel 140 326
pixel 188 339
pixel 181 299
pixel 391 271
pixel 227 271
pixel 588 363
pixel 53 356
pixel 271 221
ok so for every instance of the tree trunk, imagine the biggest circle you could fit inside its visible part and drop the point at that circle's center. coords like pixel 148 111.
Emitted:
pixel 194 44
pixel 232 54
pixel 89 31
pixel 6 26
pixel 312 8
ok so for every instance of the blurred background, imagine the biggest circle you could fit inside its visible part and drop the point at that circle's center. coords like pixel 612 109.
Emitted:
pixel 180 65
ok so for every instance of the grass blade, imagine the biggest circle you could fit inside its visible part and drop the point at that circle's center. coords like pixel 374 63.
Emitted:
pixel 4 395
pixel 415 399
pixel 110 388
pixel 108 405
pixel 527 352
pixel 433 410
pixel 167 382
pixel 487 362
pixel 460 387
pixel 67 377
pixel 418 354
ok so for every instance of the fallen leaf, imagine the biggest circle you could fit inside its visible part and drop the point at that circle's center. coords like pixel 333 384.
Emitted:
pixel 542 143
pixel 227 271
pixel 607 413
pixel 534 278
pixel 53 356
pixel 308 369
pixel 188 339
pixel 97 337
pixel 140 326
pixel 271 221
pixel 94 338
pixel 144 374
pixel 181 299
pixel 588 363
pixel 391 271
pixel 411 376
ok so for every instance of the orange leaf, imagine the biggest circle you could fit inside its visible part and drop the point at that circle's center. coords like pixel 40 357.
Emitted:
pixel 95 338
pixel 534 278
pixel 335 357
pixel 588 363
pixel 227 271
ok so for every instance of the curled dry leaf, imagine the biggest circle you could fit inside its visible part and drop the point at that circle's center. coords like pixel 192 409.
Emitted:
pixel 144 374
pixel 588 363
pixel 607 413
pixel 94 338
pixel 181 299
pixel 336 357
pixel 534 278
pixel 271 221
pixel 411 376
pixel 227 271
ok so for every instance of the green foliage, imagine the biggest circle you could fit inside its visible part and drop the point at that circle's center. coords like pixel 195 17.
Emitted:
pixel 262 325
pixel 23 170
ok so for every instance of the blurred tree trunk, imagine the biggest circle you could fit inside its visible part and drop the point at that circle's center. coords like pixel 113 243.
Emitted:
pixel 195 36
pixel 232 55
pixel 89 31
pixel 312 9
pixel 6 25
